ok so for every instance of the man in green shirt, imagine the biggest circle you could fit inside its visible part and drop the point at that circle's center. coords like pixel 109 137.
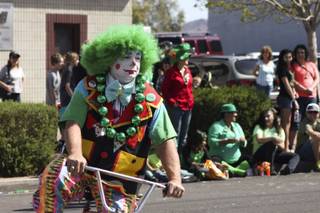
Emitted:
pixel 225 138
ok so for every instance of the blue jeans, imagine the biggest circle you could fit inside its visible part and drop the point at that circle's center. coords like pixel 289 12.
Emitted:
pixel 266 89
pixel 180 120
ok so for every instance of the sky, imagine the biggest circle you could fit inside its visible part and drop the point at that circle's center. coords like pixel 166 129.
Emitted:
pixel 191 13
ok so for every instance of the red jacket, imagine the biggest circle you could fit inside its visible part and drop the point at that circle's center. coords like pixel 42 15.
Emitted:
pixel 174 89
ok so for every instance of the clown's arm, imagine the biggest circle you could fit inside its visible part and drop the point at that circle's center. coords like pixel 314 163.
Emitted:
pixel 168 154
pixel 74 118
pixel 162 135
pixel 75 161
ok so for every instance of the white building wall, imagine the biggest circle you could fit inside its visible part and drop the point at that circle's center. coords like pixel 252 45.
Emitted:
pixel 29 33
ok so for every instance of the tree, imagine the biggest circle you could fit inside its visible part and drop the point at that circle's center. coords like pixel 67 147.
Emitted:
pixel 306 11
pixel 160 15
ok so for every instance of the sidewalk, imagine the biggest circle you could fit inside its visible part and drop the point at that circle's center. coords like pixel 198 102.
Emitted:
pixel 18 184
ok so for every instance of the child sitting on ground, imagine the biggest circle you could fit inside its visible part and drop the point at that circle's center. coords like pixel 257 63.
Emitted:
pixel 195 152
pixel 194 159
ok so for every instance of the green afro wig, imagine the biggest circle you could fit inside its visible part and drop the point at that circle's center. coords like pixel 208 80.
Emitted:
pixel 101 53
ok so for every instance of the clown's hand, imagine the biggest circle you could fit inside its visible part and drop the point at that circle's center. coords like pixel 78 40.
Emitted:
pixel 76 164
pixel 173 189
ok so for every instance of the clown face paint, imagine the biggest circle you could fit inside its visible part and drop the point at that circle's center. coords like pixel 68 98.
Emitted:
pixel 127 68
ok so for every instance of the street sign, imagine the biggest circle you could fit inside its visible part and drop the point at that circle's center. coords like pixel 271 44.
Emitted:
pixel 6 26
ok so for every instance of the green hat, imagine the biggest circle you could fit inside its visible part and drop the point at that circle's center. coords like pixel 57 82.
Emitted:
pixel 181 52
pixel 228 108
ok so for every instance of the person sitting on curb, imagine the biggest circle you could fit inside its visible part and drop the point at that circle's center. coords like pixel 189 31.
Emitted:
pixel 225 138
pixel 195 153
pixel 268 143
pixel 309 136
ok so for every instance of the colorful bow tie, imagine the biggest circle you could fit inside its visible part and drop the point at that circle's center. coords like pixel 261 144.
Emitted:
pixel 116 90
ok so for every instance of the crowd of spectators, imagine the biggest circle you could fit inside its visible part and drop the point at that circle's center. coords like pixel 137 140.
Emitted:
pixel 285 139
pixel 284 136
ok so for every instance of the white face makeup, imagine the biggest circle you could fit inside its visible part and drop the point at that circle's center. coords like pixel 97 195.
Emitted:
pixel 126 68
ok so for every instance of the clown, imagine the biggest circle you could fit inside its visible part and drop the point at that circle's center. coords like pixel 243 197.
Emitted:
pixel 112 121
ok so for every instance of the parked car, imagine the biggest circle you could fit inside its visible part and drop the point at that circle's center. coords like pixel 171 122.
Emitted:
pixel 226 70
pixel 202 43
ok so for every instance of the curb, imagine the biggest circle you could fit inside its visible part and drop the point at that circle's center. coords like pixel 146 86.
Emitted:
pixel 18 184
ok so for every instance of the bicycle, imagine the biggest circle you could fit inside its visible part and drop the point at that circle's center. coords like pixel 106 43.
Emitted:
pixel 61 148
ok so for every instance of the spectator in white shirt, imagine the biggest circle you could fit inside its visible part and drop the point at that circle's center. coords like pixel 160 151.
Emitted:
pixel 265 70
pixel 11 78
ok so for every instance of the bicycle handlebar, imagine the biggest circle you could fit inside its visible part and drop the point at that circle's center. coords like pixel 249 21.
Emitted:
pixel 124 177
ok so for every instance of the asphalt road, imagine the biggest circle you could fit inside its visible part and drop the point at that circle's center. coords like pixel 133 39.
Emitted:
pixel 298 193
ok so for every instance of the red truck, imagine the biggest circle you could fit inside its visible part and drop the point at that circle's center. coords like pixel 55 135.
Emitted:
pixel 202 43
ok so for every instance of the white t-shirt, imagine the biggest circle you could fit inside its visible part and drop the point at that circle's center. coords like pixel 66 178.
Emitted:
pixel 266 73
pixel 17 76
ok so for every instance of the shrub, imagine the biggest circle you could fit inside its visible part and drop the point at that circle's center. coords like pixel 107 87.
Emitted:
pixel 249 102
pixel 27 137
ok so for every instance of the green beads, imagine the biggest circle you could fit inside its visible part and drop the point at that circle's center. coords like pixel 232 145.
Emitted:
pixel 101 99
pixel 141 79
pixel 136 120
pixel 100 78
pixel 105 122
pixel 103 111
pixel 120 136
pixel 138 108
pixel 139 97
pixel 101 87
pixel 111 132
pixel 131 131
pixel 140 88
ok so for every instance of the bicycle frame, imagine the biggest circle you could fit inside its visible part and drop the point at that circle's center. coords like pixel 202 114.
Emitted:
pixel 141 202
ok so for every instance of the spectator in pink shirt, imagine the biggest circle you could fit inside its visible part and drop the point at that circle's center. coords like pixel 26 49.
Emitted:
pixel 306 78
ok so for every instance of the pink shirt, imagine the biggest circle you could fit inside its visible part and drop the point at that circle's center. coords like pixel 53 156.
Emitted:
pixel 306 75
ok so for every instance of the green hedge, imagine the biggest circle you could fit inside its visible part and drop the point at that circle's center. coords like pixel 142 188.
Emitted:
pixel 208 101
pixel 27 138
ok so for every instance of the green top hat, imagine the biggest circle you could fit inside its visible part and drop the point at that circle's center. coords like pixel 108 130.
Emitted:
pixel 228 108
pixel 182 52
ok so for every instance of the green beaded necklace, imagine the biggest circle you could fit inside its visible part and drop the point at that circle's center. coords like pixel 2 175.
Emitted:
pixel 103 111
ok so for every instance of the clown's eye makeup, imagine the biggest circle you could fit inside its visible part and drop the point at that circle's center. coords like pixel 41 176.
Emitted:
pixel 133 54
pixel 138 56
